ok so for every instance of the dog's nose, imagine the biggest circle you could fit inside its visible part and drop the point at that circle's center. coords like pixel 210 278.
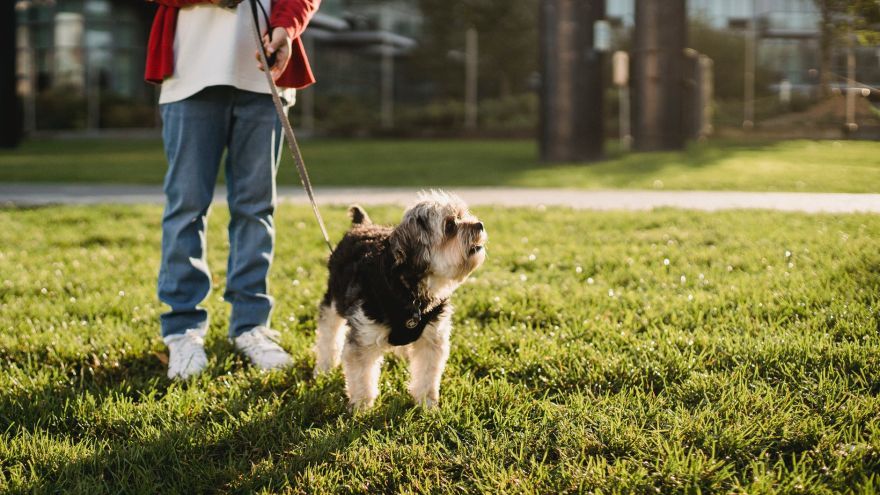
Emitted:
pixel 479 226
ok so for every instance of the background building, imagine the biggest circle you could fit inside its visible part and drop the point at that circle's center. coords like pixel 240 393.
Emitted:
pixel 80 62
pixel 788 37
pixel 400 64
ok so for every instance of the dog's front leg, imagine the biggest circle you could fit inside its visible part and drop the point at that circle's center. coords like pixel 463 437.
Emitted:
pixel 361 365
pixel 329 339
pixel 427 359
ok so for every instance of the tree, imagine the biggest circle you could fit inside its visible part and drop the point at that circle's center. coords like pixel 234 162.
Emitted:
pixel 507 37
pixel 726 48
pixel 866 21
pixel 658 71
pixel 839 18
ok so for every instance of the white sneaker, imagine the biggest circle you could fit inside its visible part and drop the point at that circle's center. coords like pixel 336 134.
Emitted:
pixel 260 345
pixel 186 354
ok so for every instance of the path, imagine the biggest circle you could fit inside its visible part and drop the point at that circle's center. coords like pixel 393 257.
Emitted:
pixel 44 194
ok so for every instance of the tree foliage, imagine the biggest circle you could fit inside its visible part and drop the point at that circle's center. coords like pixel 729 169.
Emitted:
pixel 726 49
pixel 841 19
pixel 858 17
pixel 866 20
pixel 508 44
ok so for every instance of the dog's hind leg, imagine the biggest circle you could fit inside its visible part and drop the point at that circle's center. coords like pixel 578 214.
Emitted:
pixel 427 359
pixel 329 338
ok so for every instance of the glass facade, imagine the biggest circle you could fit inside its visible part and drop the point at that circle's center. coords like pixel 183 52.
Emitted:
pixel 788 35
pixel 80 63
pixel 720 14
pixel 800 16
pixel 332 7
pixel 85 58
pixel 78 43
pixel 396 16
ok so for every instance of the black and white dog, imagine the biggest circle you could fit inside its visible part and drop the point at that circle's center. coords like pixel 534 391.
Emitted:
pixel 389 288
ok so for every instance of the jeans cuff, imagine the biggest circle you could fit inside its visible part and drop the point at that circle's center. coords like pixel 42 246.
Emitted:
pixel 178 322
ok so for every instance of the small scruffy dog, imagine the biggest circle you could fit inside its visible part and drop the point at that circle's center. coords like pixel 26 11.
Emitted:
pixel 389 288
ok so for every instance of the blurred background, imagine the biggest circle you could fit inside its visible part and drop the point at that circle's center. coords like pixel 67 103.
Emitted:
pixel 575 75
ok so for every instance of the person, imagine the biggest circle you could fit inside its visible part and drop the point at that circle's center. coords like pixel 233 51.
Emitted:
pixel 214 98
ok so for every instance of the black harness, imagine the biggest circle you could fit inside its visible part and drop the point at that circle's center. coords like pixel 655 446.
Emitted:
pixel 413 328
pixel 405 312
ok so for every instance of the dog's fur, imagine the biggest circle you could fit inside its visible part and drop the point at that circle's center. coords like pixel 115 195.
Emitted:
pixel 389 288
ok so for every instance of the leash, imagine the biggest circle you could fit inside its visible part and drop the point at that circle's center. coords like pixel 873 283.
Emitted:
pixel 282 115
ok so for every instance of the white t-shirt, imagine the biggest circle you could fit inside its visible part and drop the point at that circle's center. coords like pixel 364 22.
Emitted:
pixel 214 46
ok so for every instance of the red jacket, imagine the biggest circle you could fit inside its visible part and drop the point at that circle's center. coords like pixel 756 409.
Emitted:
pixel 292 15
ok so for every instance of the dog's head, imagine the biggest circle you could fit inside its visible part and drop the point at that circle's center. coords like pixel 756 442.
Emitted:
pixel 440 238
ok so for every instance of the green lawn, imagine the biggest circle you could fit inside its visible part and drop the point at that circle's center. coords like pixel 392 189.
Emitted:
pixel 649 352
pixel 840 166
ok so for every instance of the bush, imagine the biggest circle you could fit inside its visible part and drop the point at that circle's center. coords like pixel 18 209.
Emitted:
pixel 444 115
pixel 513 113
pixel 66 108
pixel 509 114
pixel 120 113
pixel 345 115
pixel 61 108
pixel 726 50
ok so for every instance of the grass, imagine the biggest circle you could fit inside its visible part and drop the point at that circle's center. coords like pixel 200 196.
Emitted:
pixel 669 351
pixel 823 166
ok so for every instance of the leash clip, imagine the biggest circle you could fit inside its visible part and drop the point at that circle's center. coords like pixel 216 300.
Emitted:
pixel 416 316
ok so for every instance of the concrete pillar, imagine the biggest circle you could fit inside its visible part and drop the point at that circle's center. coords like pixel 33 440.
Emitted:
pixel 750 69
pixel 658 75
pixel 11 123
pixel 851 89
pixel 69 53
pixel 572 85
pixel 306 97
pixel 471 62
pixel 387 88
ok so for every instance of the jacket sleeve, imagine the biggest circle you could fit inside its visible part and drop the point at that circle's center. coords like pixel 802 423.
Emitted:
pixel 178 3
pixel 293 15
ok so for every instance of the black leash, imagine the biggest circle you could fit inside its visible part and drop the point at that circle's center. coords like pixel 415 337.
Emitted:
pixel 285 123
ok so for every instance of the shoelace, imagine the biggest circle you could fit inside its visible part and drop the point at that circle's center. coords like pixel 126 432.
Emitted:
pixel 191 337
pixel 273 335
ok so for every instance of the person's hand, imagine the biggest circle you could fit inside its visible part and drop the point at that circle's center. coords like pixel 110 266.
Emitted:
pixel 280 45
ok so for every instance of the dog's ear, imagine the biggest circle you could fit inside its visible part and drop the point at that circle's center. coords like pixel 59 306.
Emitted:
pixel 409 245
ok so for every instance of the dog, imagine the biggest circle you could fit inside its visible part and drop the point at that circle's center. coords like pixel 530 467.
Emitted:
pixel 389 289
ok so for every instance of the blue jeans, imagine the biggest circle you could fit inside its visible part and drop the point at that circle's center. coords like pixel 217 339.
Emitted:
pixel 196 131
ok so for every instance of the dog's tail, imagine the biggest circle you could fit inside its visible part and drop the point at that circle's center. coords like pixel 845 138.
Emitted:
pixel 358 215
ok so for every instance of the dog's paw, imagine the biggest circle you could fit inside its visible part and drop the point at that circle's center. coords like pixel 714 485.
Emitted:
pixel 360 405
pixel 427 400
pixel 322 368
pixel 424 395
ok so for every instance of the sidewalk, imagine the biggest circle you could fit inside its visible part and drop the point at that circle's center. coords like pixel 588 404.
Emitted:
pixel 46 194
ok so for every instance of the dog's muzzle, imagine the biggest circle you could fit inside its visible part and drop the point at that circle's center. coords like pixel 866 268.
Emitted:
pixel 480 239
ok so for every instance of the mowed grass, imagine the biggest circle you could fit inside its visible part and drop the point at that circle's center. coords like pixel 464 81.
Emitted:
pixel 824 166
pixel 661 352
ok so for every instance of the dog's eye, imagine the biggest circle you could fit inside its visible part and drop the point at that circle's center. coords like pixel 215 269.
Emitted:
pixel 451 226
